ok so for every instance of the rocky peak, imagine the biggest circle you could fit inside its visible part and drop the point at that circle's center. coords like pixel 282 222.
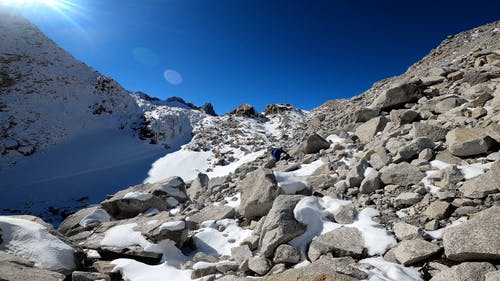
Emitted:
pixel 244 110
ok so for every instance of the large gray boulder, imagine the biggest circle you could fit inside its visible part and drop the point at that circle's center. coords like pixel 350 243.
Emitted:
pixel 17 269
pixel 398 95
pixel 412 149
pixel 259 265
pixel 429 129
pixel 314 143
pixel 476 239
pixel 467 141
pixel 130 202
pixel 493 131
pixel 438 210
pixel 364 114
pixel 466 271
pixel 409 252
pixel 343 241
pixel 213 212
pixel 483 185
pixel 403 174
pixel 367 131
pixel 405 231
pixel 258 191
pixel 198 186
pixel 280 225
pixel 87 217
pixel 286 254
pixel 371 183
pixel 403 116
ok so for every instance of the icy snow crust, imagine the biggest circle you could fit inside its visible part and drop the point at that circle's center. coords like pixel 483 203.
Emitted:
pixel 32 241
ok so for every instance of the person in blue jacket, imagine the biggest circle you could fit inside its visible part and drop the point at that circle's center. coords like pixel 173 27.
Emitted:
pixel 278 152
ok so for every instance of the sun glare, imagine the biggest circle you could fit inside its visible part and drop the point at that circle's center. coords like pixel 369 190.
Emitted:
pixel 55 4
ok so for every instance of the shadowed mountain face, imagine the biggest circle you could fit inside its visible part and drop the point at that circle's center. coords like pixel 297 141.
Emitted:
pixel 386 185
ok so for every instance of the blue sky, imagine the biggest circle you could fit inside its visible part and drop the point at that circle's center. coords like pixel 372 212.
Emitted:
pixel 230 52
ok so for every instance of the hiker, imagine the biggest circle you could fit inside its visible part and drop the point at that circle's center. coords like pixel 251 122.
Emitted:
pixel 277 152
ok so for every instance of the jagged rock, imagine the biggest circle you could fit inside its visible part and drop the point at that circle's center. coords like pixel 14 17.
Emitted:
pixel 438 210
pixel 403 174
pixel 432 80
pixel 26 150
pixel 364 114
pixel 343 241
pixel 258 191
pixel 280 225
pixel 277 108
pixel 367 131
pixel 198 186
pixel 344 214
pixel 492 276
pixel 72 223
pixel 208 108
pixel 370 183
pixel 89 276
pixel 475 239
pixel 10 144
pixel 215 184
pixel 17 269
pixel 493 131
pixel 226 267
pixel 479 100
pixel 398 95
pixel 467 141
pixel 134 200
pixel 426 154
pixel 379 158
pixel 450 176
pixel 409 151
pixel 465 271
pixel 213 212
pixel 447 157
pixel 203 271
pixel 277 269
pixel 479 112
pixel 409 252
pixel 313 144
pixel 428 129
pixel 251 241
pixel 356 174
pixel 244 110
pixel 259 265
pixel 241 253
pixel 286 254
pixel 323 269
pixel 405 231
pixel 406 199
pixel 483 185
pixel 445 104
pixel 403 116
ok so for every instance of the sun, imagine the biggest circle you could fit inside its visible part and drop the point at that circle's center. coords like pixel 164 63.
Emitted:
pixel 24 3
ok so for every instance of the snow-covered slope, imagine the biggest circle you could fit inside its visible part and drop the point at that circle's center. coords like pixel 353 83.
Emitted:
pixel 221 144
pixel 69 132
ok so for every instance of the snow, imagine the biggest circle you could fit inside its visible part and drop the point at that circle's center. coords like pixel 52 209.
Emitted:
pixel 468 171
pixel 370 172
pixel 388 271
pixel 313 212
pixel 142 196
pixel 220 171
pixel 151 212
pixel 173 225
pixel 234 201
pixel 183 163
pixel 98 215
pixel 291 182
pixel 32 241
pixel 334 139
pixel 438 234
pixel 211 241
pixel 132 270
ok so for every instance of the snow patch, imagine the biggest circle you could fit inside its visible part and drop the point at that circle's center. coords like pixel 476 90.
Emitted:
pixel 98 215
pixel 173 225
pixel 212 241
pixel 291 182
pixel 388 271
pixel 142 196
pixel 32 241
pixel 438 233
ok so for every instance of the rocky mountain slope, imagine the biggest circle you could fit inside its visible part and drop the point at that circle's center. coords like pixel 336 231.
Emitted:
pixel 55 109
pixel 398 183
